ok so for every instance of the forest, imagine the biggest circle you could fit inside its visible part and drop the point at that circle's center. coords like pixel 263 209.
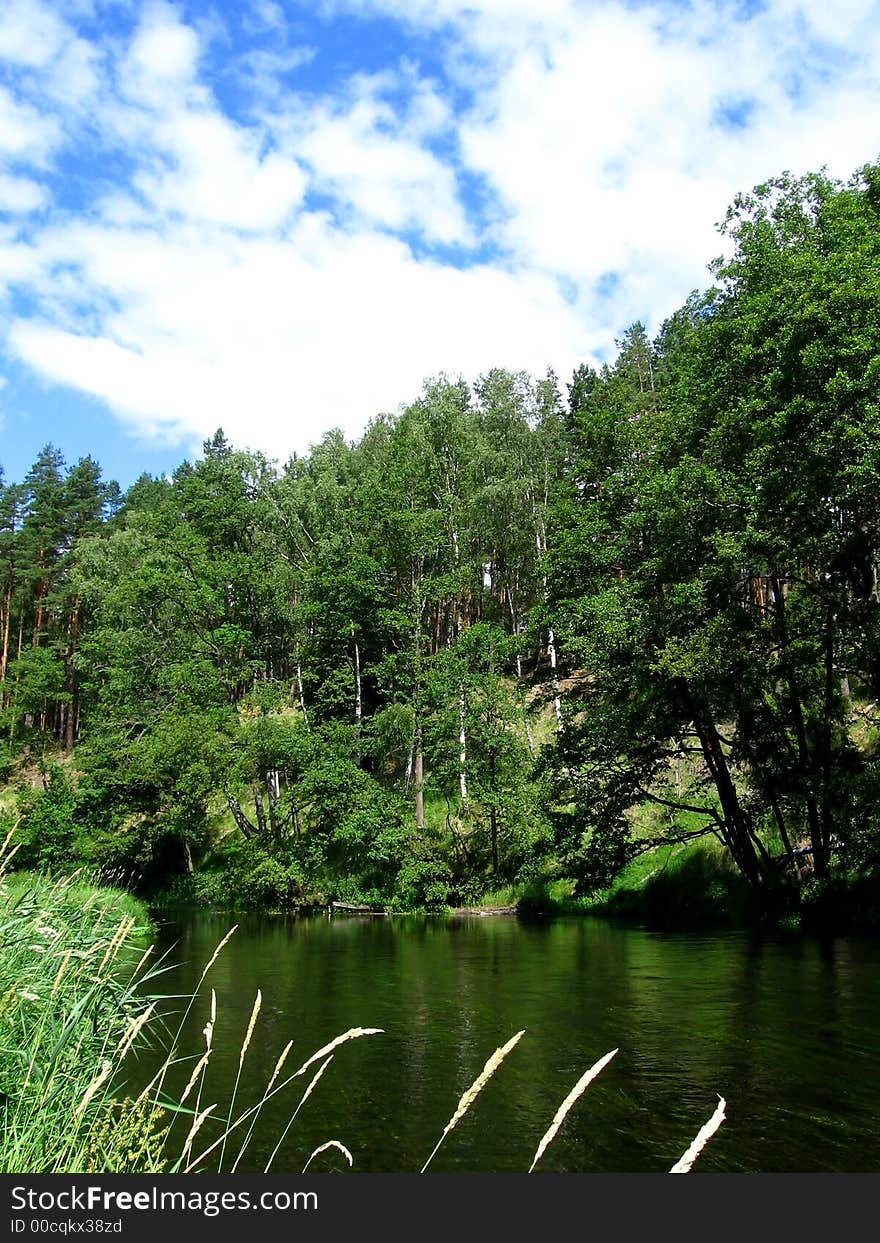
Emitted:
pixel 521 634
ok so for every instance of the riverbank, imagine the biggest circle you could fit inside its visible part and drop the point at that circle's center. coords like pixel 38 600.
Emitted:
pixel 696 887
pixel 693 893
pixel 687 885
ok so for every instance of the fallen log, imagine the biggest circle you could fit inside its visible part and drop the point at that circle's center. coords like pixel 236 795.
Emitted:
pixel 485 910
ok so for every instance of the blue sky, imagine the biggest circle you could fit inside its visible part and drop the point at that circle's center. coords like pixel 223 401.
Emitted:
pixel 281 217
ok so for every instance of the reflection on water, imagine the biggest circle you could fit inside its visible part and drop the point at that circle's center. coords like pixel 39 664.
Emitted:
pixel 784 1027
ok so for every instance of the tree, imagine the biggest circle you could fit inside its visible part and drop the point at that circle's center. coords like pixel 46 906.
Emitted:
pixel 718 544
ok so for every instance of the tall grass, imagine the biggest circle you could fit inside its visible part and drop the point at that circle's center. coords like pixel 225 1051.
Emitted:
pixel 468 1097
pixel 72 1012
pixel 576 1092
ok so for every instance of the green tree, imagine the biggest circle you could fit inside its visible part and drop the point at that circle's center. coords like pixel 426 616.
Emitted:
pixel 718 546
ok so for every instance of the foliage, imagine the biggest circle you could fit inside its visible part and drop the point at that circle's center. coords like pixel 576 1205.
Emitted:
pixel 696 887
pixel 47 831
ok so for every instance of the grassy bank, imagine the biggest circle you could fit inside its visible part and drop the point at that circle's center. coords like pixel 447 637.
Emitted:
pixel 682 886
pixel 694 885
pixel 697 886
pixel 685 885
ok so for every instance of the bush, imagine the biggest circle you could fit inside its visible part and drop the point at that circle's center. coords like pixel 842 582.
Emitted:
pixel 841 903
pixel 47 832
pixel 422 884
pixel 249 876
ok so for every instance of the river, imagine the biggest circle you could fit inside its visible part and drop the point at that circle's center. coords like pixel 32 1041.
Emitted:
pixel 785 1027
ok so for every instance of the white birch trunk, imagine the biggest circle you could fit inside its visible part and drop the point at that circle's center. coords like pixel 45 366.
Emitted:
pixel 357 682
pixel 557 699
pixel 302 698
pixel 462 752
pixel 419 782
pixel 541 544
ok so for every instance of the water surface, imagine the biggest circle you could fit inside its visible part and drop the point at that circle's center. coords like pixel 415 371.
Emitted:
pixel 784 1027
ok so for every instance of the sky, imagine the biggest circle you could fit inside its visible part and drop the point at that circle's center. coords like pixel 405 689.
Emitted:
pixel 281 217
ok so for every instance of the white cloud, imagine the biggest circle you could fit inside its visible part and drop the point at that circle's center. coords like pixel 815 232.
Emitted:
pixel 20 194
pixel 34 39
pixel 216 173
pixel 368 159
pixel 163 57
pixel 19 264
pixel 24 132
pixel 31 34
pixel 598 127
pixel 75 80
pixel 277 339
pixel 264 71
pixel 265 15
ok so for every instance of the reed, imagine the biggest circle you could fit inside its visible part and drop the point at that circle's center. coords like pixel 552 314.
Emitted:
pixel 354 1033
pixel 468 1097
pixel 331 1143
pixel 685 1163
pixel 72 980
pixel 282 1058
pixel 559 1117
pixel 242 1054
pixel 75 1006
pixel 305 1096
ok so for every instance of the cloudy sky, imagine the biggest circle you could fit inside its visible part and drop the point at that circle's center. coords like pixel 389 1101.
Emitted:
pixel 281 216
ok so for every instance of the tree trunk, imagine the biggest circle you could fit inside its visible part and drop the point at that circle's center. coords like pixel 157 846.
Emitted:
pixel 302 701
pixel 13 694
pixel 7 612
pixel 783 831
pixel 462 752
pixel 541 544
pixel 239 817
pixel 519 673
pixel 493 815
pixel 823 865
pixel 357 682
pixel 273 790
pixel 557 699
pixel 820 860
pixel 418 757
pixel 418 779
pixel 735 823
pixel 261 814
pixel 70 677
pixel 40 590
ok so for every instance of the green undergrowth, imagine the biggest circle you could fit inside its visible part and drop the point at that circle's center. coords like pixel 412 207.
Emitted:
pixel 680 886
pixel 842 904
pixel 684 885
pixel 696 885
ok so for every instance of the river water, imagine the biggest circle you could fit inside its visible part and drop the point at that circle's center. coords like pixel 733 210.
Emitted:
pixel 786 1028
